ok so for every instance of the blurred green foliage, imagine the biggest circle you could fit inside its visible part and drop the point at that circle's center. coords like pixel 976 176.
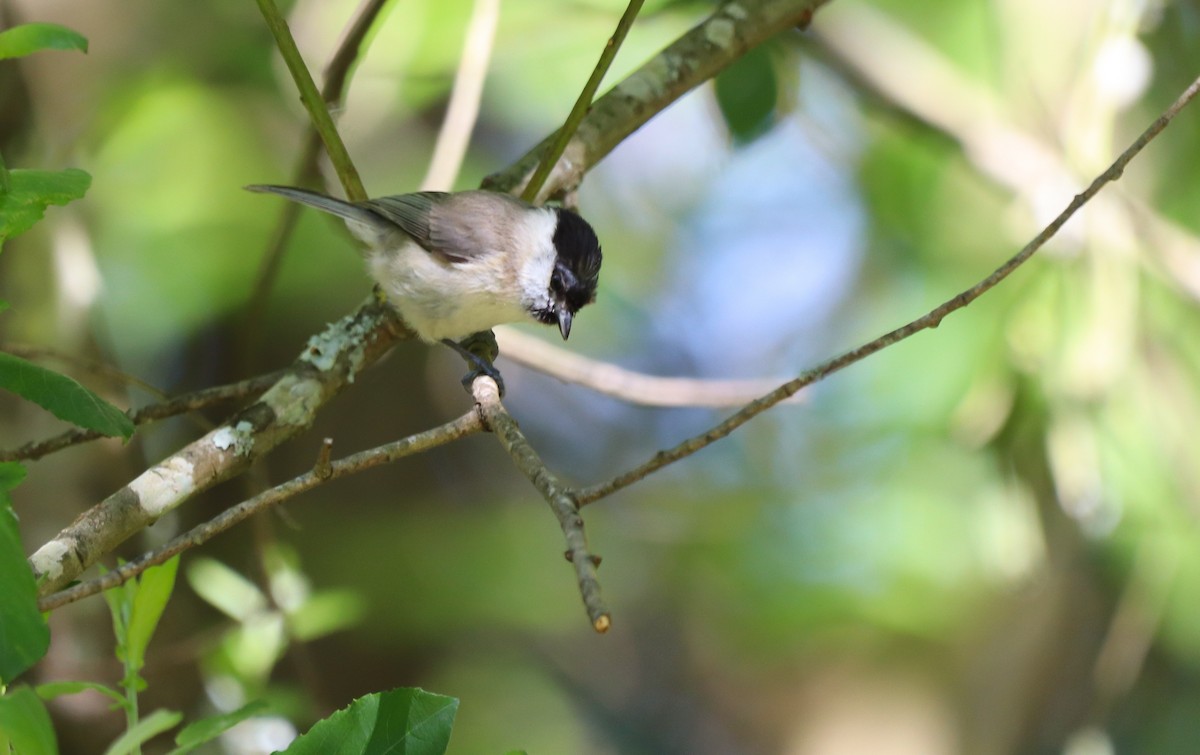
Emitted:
pixel 995 519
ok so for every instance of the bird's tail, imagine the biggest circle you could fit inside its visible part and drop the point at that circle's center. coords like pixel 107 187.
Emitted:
pixel 363 223
pixel 339 207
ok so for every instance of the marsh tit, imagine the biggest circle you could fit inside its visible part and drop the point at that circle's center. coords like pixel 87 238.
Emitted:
pixel 457 264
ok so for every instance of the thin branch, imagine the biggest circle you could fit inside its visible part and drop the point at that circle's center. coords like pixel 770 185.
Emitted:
pixel 930 320
pixel 582 103
pixel 329 363
pixel 465 425
pixel 620 383
pixel 313 102
pixel 500 422
pixel 188 402
pixel 463 110
pixel 337 77
pixel 697 56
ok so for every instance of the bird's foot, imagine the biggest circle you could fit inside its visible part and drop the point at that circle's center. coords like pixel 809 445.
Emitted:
pixel 479 351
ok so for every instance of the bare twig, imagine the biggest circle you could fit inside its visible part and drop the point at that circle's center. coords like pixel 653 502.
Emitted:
pixel 463 109
pixel 323 468
pixel 929 320
pixel 187 402
pixel 620 383
pixel 697 56
pixel 582 103
pixel 500 422
pixel 465 425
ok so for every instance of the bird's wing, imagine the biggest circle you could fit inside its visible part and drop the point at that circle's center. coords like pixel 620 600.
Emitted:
pixel 455 227
pixel 409 212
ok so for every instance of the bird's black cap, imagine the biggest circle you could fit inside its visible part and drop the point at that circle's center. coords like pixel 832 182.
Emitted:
pixel 577 270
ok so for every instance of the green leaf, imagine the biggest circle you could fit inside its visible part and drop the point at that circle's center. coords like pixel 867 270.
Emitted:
pixel 149 727
pixel 120 606
pixel 153 592
pixel 225 589
pixel 51 690
pixel 25 725
pixel 62 397
pixel 406 721
pixel 24 636
pixel 747 93
pixel 30 192
pixel 207 729
pixel 12 474
pixel 27 38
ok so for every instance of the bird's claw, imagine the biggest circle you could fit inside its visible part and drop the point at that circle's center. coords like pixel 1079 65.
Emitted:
pixel 480 351
pixel 482 370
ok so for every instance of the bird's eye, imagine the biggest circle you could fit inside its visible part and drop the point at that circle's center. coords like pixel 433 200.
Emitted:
pixel 556 282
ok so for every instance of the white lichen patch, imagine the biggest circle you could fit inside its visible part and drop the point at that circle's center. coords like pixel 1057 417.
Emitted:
pixel 719 31
pixel 224 438
pixel 346 336
pixel 239 438
pixel 160 488
pixel 733 10
pixel 47 561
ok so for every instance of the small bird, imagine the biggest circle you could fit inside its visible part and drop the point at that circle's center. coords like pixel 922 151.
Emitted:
pixel 455 265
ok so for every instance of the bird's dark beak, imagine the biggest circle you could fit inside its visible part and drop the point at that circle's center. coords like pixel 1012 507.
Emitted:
pixel 564 322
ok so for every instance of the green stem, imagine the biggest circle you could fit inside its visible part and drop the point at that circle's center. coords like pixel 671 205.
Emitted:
pixel 4 185
pixel 313 102
pixel 550 159
pixel 131 700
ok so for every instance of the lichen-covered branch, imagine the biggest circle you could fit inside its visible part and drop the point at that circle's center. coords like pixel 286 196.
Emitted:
pixel 328 364
pixel 731 31
pixel 323 471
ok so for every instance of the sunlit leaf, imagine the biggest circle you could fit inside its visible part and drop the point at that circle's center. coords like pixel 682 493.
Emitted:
pixel 23 633
pixel 405 721
pixel 154 590
pixel 146 729
pixel 198 732
pixel 225 589
pixel 27 38
pixel 25 725
pixel 62 397
pixel 51 690
pixel 30 192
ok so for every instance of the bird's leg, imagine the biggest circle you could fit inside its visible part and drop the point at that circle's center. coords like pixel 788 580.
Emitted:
pixel 480 351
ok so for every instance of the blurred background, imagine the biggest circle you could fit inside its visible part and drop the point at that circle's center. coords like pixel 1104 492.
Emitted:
pixel 981 540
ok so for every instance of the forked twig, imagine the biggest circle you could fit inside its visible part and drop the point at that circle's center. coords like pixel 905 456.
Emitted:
pixel 505 428
pixel 930 319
